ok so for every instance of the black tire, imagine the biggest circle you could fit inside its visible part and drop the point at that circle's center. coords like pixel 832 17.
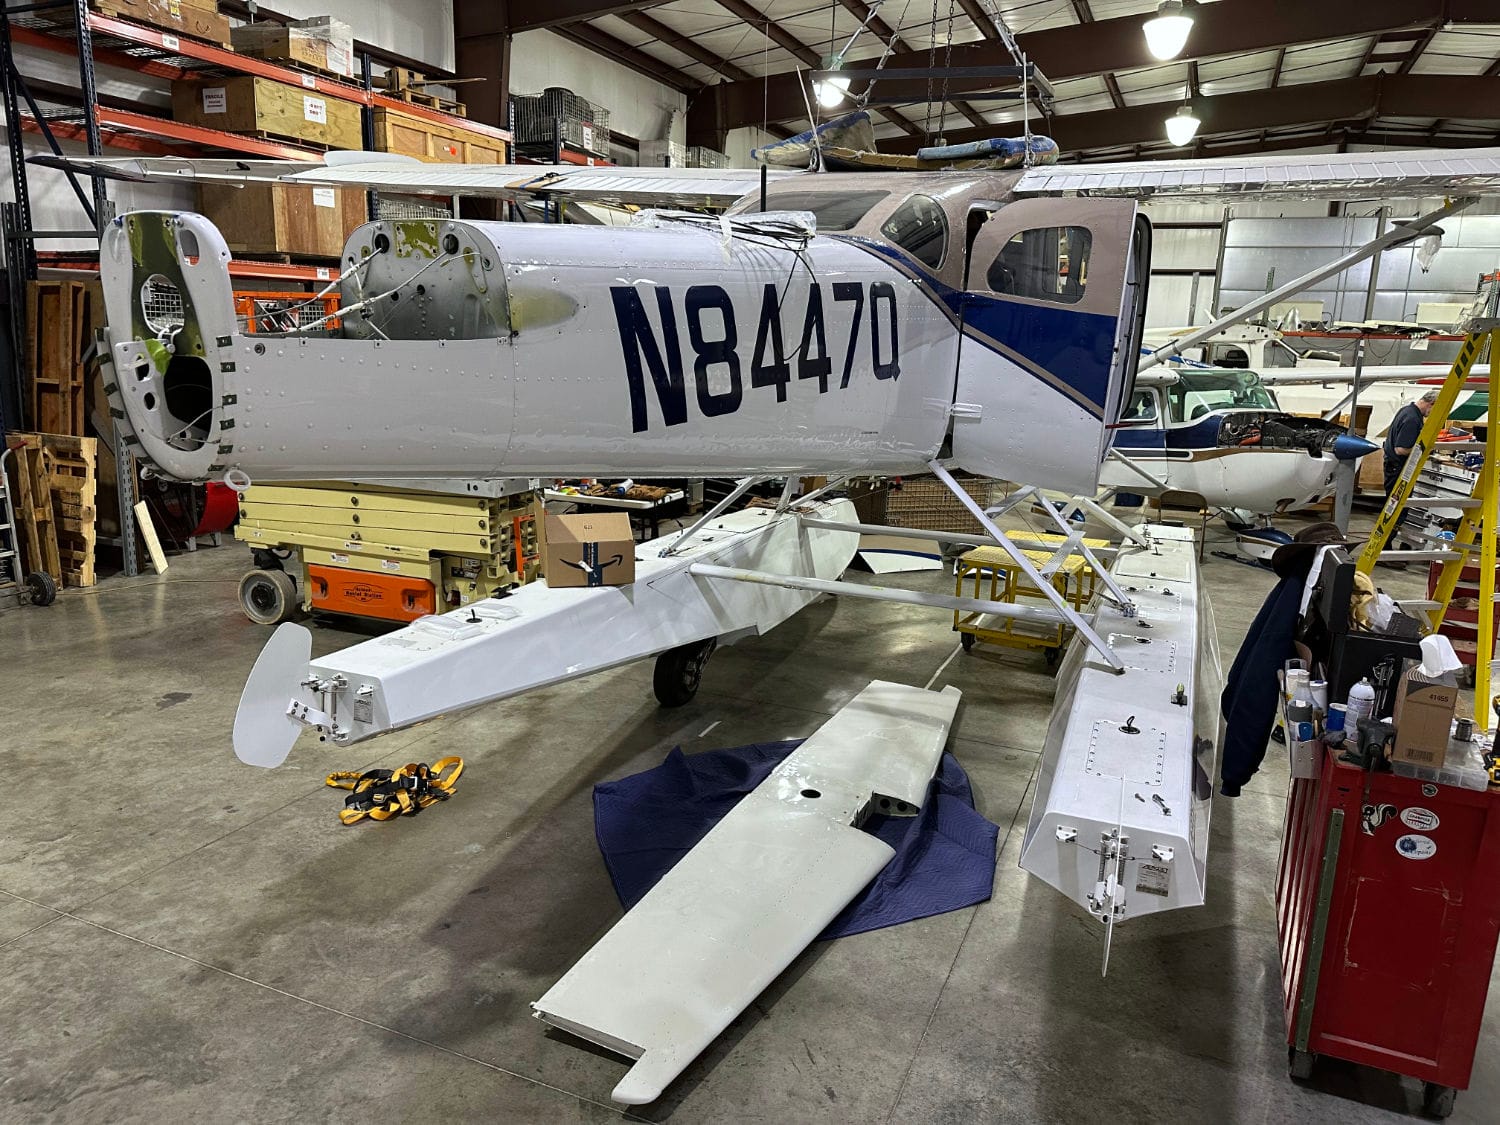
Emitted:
pixel 1437 1101
pixel 42 587
pixel 265 559
pixel 679 671
pixel 967 640
pixel 1299 1064
pixel 1052 655
pixel 268 597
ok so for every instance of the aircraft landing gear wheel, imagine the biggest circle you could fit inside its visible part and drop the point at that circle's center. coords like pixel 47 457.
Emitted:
pixel 679 671
pixel 1299 1064
pixel 268 597
pixel 1437 1101
pixel 41 587
pixel 967 640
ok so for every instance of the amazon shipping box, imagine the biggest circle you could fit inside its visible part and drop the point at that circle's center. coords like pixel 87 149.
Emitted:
pixel 1423 715
pixel 589 550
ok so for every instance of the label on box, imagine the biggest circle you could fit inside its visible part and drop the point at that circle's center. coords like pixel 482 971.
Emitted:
pixel 309 81
pixel 338 59
pixel 588 136
pixel 215 100
pixel 175 7
pixel 170 42
pixel 325 197
pixel 1153 879
pixel 1419 819
pixel 1416 847
pixel 315 110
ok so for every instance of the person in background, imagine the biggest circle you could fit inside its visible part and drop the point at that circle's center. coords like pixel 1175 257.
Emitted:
pixel 1406 427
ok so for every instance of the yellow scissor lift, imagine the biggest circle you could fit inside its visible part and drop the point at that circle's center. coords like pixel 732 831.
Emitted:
pixel 992 575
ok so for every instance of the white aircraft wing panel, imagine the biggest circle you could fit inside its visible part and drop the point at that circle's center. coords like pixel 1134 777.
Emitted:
pixel 737 909
pixel 1320 176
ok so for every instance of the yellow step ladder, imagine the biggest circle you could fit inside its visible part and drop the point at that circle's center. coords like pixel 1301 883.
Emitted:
pixel 1478 528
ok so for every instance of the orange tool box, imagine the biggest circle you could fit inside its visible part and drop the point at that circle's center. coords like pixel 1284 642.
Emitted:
pixel 393 597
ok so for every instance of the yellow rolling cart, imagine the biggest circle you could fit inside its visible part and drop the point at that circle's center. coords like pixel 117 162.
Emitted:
pixel 990 574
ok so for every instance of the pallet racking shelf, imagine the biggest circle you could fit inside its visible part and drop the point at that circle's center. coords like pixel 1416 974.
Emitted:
pixel 71 27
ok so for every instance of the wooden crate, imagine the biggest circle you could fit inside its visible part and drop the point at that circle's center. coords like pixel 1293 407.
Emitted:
pixel 250 104
pixel 197 18
pixel 296 46
pixel 60 320
pixel 62 487
pixel 283 218
pixel 434 141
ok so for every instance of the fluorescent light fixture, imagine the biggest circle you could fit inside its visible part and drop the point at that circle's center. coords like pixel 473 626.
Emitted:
pixel 1166 34
pixel 830 91
pixel 1182 126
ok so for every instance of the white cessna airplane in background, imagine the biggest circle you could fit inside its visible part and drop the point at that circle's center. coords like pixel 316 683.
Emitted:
pixel 830 324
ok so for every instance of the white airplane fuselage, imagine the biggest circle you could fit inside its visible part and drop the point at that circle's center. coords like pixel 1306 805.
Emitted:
pixel 472 349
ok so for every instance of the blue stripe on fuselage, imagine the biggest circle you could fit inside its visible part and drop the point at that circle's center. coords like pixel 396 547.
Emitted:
pixel 1200 435
pixel 1074 348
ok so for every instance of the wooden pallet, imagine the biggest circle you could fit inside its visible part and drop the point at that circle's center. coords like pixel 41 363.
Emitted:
pixel 60 321
pixel 59 493
pixel 431 101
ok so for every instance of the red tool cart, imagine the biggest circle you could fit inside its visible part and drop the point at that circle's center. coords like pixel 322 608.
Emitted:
pixel 1388 908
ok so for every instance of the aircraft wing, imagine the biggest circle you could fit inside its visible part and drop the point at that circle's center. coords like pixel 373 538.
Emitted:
pixel 376 171
pixel 1384 373
pixel 1355 175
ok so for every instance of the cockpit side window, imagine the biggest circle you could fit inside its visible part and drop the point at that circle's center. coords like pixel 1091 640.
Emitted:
pixel 1142 408
pixel 1045 263
pixel 919 227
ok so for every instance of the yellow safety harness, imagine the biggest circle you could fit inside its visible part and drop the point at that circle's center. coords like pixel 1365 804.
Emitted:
pixel 383 794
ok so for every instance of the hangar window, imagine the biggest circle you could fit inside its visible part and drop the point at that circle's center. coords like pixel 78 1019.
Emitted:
pixel 1047 264
pixel 834 210
pixel 919 227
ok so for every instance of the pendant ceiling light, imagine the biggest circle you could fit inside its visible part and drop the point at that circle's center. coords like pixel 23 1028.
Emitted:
pixel 1182 126
pixel 830 91
pixel 1167 32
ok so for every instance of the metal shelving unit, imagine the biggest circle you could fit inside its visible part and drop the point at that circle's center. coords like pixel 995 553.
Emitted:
pixel 97 39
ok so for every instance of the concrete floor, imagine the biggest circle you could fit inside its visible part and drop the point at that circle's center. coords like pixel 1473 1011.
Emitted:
pixel 183 937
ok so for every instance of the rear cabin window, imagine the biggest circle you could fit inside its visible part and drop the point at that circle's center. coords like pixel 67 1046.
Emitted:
pixel 919 227
pixel 834 210
pixel 1046 264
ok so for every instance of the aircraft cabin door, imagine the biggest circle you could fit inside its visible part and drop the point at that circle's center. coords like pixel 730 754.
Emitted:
pixel 1052 320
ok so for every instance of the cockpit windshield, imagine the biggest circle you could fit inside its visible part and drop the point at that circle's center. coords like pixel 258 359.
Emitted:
pixel 1198 392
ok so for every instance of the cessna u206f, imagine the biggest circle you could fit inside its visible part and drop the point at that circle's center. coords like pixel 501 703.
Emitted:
pixel 913 321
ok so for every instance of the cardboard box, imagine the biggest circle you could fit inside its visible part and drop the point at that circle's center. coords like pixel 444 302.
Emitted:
pixel 1423 715
pixel 589 550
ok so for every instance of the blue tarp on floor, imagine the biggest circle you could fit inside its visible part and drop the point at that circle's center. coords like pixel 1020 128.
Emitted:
pixel 945 855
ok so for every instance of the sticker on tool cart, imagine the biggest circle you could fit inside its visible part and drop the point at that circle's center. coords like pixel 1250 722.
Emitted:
pixel 325 197
pixel 215 100
pixel 1419 819
pixel 1429 790
pixel 1416 847
pixel 315 110
pixel 1153 879
pixel 1372 817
